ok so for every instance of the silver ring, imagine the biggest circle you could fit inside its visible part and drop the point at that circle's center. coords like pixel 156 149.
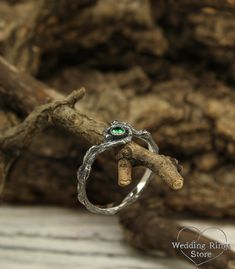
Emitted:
pixel 118 133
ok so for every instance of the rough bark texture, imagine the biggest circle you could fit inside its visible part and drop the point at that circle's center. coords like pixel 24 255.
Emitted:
pixel 164 66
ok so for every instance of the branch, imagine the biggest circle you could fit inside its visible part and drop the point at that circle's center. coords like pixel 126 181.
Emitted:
pixel 62 113
pixel 22 92
pixel 124 172
pixel 161 165
pixel 21 135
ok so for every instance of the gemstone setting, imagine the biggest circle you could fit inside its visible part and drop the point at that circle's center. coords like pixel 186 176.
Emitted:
pixel 117 131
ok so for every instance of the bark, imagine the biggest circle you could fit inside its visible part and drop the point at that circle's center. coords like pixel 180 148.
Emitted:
pixel 24 39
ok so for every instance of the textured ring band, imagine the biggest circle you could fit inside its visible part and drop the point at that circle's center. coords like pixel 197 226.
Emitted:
pixel 118 133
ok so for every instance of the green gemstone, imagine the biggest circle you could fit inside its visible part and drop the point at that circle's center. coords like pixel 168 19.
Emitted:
pixel 118 130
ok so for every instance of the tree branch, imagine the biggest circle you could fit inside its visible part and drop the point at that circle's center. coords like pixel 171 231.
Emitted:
pixel 124 172
pixel 62 113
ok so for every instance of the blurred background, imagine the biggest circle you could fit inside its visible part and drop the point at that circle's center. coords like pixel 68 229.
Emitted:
pixel 165 66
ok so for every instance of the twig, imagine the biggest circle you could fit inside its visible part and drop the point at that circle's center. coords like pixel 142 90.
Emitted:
pixel 159 164
pixel 62 113
pixel 124 172
pixel 20 136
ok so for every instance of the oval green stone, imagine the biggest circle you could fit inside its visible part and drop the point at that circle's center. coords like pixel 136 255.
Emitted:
pixel 118 130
